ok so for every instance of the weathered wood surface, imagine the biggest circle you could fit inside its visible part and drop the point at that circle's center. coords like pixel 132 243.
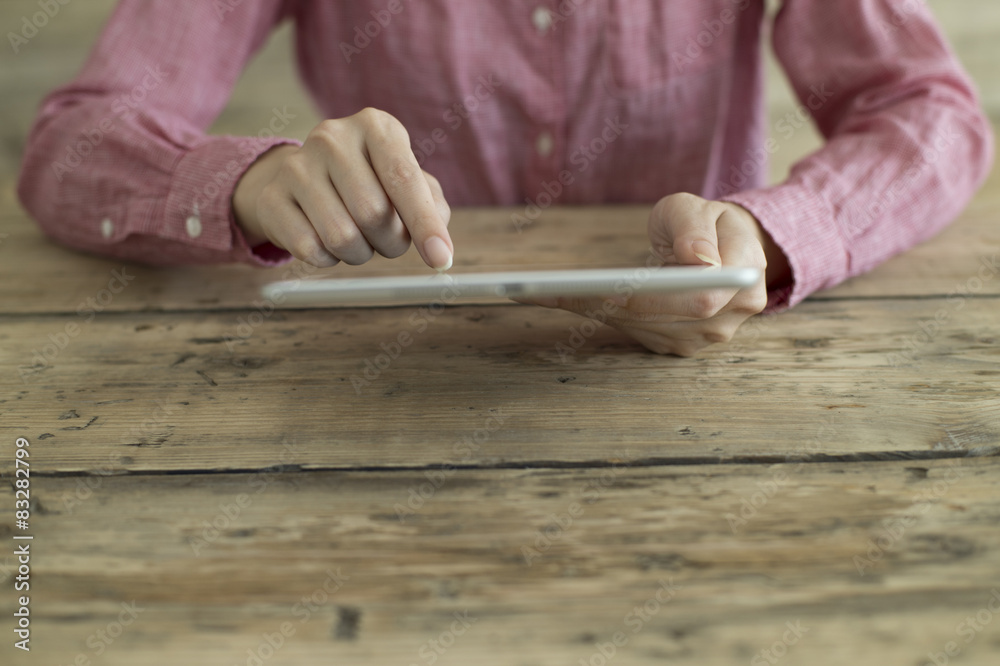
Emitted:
pixel 149 392
pixel 147 404
pixel 546 565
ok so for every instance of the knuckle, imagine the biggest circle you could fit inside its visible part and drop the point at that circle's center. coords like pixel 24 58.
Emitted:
pixel 445 210
pixel 338 237
pixel 359 256
pixel 704 305
pixel 661 347
pixel 380 123
pixel 306 249
pixel 402 174
pixel 327 131
pixel 434 183
pixel 662 208
pixel 336 146
pixel 395 248
pixel 678 200
pixel 373 211
pixel 326 143
pixel 685 348
pixel 686 197
pixel 371 115
pixel 717 335
pixel 295 169
pixel 665 346
pixel 756 301
pixel 752 300
pixel 270 197
pixel 346 243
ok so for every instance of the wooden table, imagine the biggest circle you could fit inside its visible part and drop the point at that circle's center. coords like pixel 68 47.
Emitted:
pixel 209 486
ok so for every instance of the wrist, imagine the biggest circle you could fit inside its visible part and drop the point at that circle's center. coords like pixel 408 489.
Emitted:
pixel 778 272
pixel 244 201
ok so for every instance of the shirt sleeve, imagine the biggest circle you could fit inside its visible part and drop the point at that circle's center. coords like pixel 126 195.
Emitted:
pixel 118 162
pixel 907 144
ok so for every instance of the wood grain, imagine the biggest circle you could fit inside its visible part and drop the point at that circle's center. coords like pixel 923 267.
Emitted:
pixel 187 392
pixel 489 544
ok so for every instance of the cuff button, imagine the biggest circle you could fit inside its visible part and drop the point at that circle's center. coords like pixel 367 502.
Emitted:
pixel 193 226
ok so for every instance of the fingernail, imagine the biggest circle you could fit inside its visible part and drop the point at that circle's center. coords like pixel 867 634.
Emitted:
pixel 437 253
pixel 704 251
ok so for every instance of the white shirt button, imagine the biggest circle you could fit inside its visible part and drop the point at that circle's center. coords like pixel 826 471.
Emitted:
pixel 107 227
pixel 544 144
pixel 542 18
pixel 193 226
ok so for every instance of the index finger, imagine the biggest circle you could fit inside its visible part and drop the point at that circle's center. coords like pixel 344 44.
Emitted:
pixel 403 180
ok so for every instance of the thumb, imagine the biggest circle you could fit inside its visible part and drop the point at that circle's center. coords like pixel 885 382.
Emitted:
pixel 686 229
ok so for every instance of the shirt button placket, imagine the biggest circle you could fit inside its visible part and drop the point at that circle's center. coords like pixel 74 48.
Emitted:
pixel 547 125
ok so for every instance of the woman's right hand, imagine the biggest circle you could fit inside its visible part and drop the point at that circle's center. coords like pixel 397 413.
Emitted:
pixel 354 188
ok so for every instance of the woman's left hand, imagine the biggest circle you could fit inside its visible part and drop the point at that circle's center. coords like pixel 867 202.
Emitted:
pixel 686 230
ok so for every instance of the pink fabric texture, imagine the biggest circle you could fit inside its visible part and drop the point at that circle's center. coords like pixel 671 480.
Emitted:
pixel 517 103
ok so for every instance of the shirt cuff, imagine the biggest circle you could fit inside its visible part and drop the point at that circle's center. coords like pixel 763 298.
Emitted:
pixel 199 206
pixel 803 227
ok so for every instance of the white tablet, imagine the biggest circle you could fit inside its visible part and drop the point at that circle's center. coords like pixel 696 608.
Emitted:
pixel 455 287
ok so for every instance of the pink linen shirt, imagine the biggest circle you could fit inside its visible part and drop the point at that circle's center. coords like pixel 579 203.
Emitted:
pixel 515 102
